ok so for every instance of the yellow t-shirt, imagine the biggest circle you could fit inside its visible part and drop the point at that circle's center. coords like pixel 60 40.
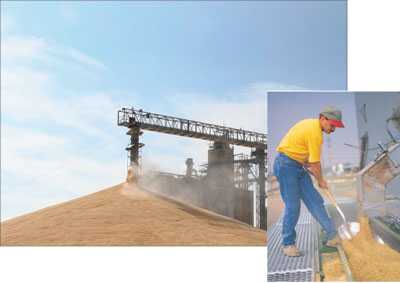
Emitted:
pixel 304 140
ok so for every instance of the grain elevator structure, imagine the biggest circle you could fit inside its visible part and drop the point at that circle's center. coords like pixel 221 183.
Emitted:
pixel 229 184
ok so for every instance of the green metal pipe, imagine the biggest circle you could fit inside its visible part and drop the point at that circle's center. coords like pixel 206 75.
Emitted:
pixel 346 266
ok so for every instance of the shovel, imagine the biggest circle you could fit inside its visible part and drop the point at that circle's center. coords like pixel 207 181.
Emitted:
pixel 348 229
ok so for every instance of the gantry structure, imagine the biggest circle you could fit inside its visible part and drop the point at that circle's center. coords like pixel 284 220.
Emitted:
pixel 138 120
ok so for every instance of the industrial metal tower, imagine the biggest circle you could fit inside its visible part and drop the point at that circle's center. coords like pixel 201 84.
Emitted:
pixel 137 120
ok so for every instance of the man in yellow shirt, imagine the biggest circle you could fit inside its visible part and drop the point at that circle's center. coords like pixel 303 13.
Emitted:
pixel 300 149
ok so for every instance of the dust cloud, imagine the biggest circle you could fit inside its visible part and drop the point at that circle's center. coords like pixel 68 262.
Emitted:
pixel 216 193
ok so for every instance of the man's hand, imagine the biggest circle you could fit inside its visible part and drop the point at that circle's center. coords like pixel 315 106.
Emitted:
pixel 307 164
pixel 323 185
pixel 317 172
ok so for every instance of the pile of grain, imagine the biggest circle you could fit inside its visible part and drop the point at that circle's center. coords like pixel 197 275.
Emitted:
pixel 369 260
pixel 333 270
pixel 126 215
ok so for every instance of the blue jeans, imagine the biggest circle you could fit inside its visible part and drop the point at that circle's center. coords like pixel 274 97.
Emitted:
pixel 295 184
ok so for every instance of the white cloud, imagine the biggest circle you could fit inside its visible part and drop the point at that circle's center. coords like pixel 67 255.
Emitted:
pixel 24 80
pixel 28 152
pixel 33 95
pixel 65 119
pixel 86 60
pixel 21 48
pixel 59 172
pixel 34 92
pixel 249 113
pixel 24 47
pixel 168 153
pixel 78 179
pixel 19 139
pixel 247 110
pixel 46 125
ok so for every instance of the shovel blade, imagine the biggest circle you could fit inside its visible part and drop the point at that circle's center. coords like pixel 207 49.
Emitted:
pixel 349 230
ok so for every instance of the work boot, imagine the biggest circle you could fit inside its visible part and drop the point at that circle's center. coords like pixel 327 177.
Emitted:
pixel 334 242
pixel 291 251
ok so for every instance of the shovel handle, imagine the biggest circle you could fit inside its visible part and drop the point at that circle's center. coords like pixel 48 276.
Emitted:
pixel 328 194
pixel 325 190
pixel 336 206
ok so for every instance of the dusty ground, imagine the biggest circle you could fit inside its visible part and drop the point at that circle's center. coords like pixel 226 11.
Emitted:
pixel 124 215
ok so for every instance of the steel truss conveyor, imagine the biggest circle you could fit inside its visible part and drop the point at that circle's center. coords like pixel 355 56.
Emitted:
pixel 189 128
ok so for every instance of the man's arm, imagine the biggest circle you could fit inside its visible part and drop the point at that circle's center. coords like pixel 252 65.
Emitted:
pixel 317 172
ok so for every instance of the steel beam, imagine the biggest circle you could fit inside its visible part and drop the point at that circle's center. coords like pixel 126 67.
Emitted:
pixel 189 128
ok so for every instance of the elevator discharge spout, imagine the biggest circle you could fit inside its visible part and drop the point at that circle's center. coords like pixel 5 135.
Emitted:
pixel 372 181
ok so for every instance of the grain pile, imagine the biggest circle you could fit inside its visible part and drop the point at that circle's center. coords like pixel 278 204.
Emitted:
pixel 333 269
pixel 125 215
pixel 369 260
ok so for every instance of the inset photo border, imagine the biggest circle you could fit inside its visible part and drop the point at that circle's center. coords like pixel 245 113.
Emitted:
pixel 341 195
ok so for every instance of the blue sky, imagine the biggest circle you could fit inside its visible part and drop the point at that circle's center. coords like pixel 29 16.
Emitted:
pixel 67 67
pixel 285 109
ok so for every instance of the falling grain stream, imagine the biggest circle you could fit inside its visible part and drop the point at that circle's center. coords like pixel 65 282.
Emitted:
pixel 369 260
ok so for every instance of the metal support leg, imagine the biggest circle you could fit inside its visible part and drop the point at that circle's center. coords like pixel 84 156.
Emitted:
pixel 133 152
pixel 260 155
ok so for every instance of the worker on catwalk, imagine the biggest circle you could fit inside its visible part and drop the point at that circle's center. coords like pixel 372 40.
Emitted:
pixel 299 150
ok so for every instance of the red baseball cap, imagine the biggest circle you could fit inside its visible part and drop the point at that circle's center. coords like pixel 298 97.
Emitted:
pixel 336 123
pixel 334 115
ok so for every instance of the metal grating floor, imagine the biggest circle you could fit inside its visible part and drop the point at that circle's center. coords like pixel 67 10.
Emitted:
pixel 300 276
pixel 294 269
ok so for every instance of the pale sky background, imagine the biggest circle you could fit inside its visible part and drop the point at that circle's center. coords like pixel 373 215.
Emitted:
pixel 67 67
pixel 285 109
